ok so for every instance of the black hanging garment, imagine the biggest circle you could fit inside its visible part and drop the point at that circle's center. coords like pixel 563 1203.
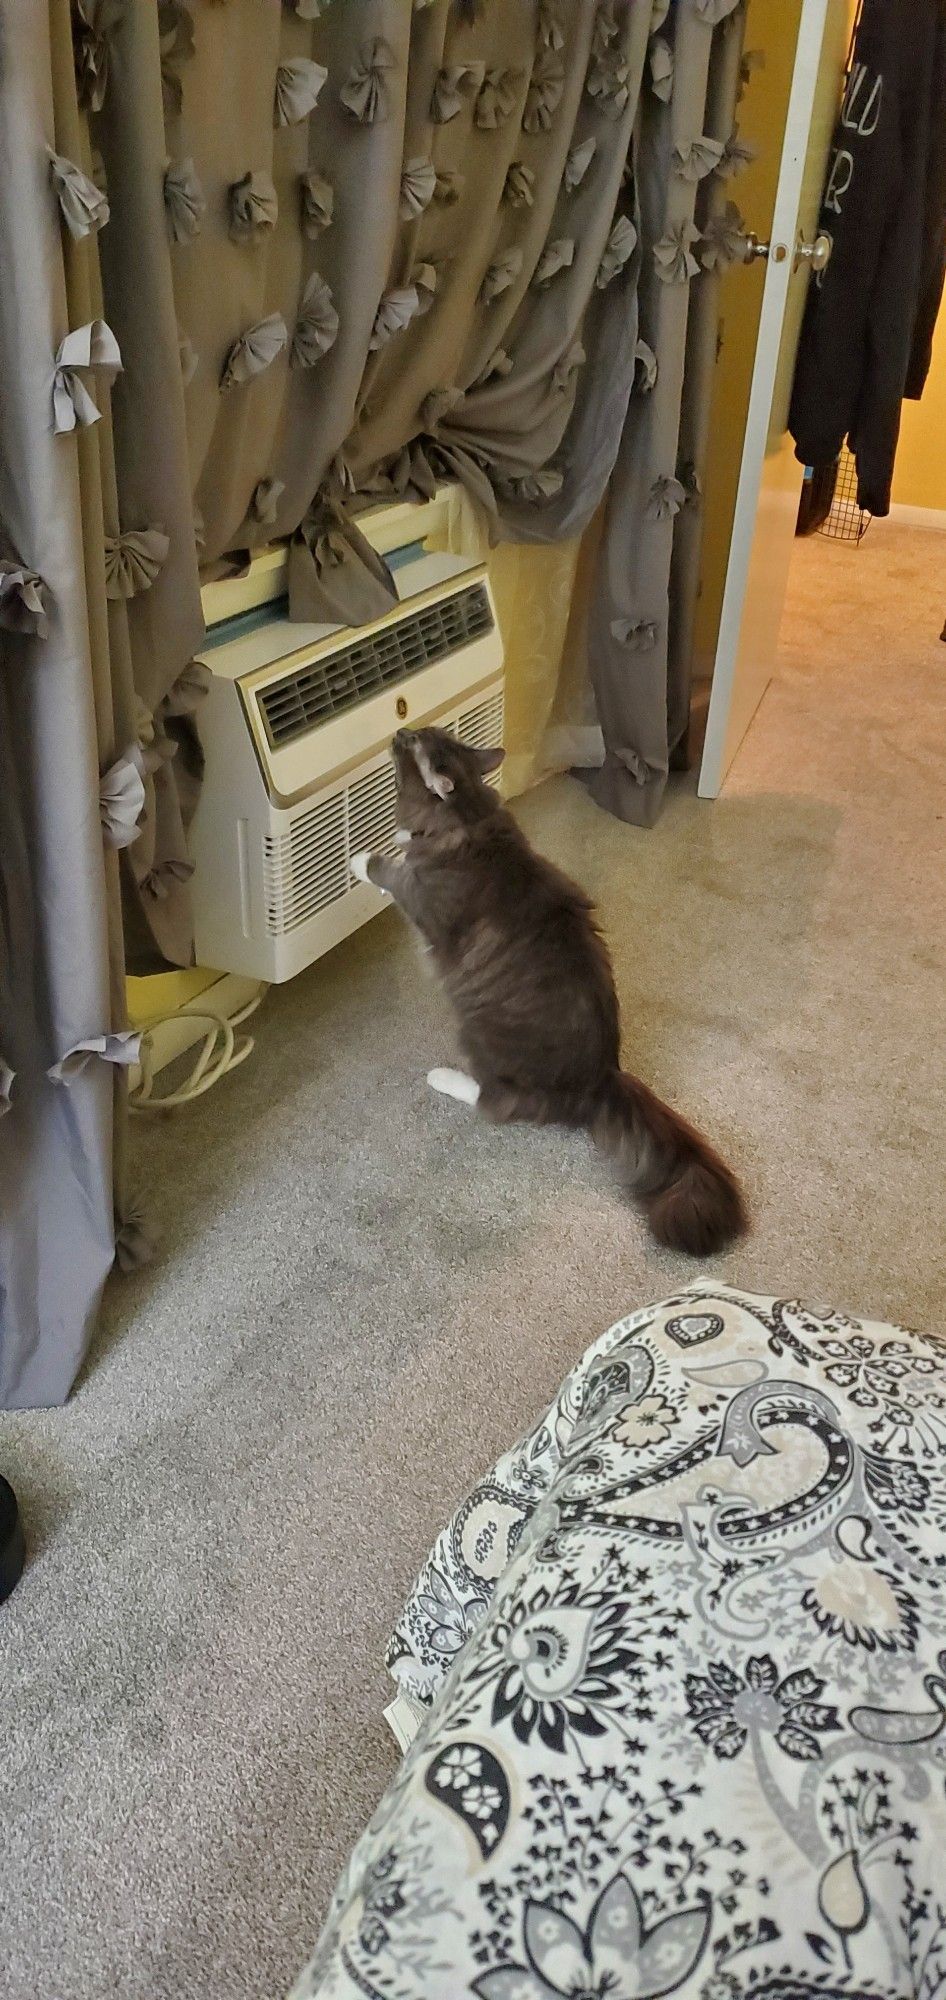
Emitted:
pixel 867 335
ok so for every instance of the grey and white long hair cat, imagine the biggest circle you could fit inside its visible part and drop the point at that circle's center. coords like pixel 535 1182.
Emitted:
pixel 529 977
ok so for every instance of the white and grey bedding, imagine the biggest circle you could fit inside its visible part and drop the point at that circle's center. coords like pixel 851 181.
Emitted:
pixel 684 1651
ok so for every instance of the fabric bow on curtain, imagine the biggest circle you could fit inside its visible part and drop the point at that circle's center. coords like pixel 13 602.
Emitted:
pixel 275 260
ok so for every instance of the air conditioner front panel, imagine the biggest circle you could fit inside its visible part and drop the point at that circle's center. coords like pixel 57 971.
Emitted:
pixel 332 705
pixel 362 664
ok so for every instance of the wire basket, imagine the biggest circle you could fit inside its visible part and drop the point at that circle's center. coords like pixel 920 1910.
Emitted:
pixel 845 521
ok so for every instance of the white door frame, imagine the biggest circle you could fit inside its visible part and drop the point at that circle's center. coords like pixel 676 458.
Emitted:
pixel 778 277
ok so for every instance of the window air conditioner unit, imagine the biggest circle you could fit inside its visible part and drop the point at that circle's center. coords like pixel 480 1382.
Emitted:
pixel 297 729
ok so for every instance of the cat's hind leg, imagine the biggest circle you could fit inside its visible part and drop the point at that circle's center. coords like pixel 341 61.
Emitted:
pixel 505 1103
pixel 454 1083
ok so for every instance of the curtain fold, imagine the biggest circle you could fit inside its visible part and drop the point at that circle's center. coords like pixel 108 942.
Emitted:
pixel 157 626
pixel 714 207
pixel 638 627
pixel 60 938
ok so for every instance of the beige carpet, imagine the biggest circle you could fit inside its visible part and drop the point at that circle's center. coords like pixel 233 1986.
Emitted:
pixel 364 1293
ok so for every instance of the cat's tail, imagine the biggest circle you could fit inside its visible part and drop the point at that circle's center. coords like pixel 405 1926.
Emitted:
pixel 691 1199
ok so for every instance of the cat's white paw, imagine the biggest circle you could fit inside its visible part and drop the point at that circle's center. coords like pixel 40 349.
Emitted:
pixel 454 1083
pixel 358 863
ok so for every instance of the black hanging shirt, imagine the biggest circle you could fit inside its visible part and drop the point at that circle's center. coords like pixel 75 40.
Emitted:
pixel 867 334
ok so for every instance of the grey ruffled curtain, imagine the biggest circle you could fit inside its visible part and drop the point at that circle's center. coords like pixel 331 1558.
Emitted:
pixel 641 614
pixel 73 776
pixel 268 261
pixel 472 239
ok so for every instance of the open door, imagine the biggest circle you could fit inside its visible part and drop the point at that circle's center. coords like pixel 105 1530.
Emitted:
pixel 767 494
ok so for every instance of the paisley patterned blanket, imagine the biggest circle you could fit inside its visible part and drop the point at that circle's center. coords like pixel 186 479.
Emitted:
pixel 684 1651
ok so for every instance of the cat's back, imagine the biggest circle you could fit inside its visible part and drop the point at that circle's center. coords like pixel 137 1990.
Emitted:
pixel 531 889
pixel 504 884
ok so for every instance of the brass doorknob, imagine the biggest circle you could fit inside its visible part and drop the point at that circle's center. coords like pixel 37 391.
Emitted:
pixel 755 249
pixel 817 254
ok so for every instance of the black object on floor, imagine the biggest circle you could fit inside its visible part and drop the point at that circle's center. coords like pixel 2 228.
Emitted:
pixel 12 1546
pixel 817 495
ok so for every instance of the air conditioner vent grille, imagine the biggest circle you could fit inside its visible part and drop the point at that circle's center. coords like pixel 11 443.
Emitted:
pixel 315 692
pixel 307 868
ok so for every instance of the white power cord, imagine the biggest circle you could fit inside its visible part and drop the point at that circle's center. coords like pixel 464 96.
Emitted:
pixel 220 1052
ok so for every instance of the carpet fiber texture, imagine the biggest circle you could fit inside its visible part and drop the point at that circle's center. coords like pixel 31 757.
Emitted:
pixel 363 1294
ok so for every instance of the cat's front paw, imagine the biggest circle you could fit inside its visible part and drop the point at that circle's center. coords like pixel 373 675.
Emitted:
pixel 359 863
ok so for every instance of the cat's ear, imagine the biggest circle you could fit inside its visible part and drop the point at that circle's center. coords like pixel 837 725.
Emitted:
pixel 490 760
pixel 436 781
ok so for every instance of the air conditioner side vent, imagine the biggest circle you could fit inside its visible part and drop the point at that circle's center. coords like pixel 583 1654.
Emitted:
pixel 308 867
pixel 314 693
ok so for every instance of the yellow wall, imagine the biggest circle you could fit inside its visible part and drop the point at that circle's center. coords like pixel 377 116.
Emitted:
pixel 165 992
pixel 920 476
pixel 534 586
